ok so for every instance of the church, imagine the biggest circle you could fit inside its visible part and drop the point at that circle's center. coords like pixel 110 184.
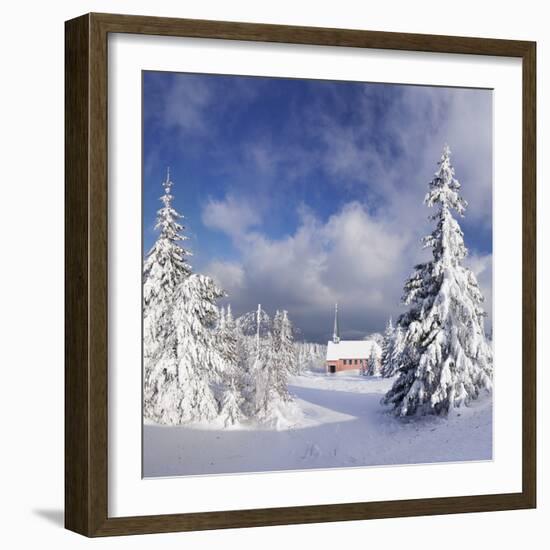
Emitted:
pixel 346 354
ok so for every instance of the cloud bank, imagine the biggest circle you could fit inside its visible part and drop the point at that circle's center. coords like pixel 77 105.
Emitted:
pixel 322 190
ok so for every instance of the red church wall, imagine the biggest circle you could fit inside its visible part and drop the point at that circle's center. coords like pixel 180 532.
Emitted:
pixel 346 364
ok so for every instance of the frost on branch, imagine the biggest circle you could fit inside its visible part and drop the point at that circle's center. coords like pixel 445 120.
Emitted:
pixel 446 360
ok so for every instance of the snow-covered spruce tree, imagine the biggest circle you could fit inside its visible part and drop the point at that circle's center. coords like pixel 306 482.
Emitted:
pixel 262 392
pixel 286 350
pixel 387 349
pixel 232 383
pixel 394 363
pixel 253 330
pixel 226 339
pixel 446 361
pixel 374 361
pixel 310 356
pixel 200 362
pixel 391 350
pixel 232 405
pixel 273 368
pixel 164 269
pixel 260 361
pixel 246 354
pixel 162 391
pixel 255 323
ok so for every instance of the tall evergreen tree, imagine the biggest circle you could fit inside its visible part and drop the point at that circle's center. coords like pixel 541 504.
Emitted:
pixel 274 358
pixel 283 353
pixel 164 269
pixel 233 376
pixel 446 361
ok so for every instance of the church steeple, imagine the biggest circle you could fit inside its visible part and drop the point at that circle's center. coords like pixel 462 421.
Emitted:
pixel 336 332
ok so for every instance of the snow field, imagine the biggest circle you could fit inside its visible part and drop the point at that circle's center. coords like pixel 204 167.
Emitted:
pixel 335 421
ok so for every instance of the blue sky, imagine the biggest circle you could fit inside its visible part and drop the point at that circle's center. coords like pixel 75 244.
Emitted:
pixel 299 193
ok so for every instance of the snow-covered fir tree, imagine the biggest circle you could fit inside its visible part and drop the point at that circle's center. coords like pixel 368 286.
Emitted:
pixel 164 269
pixel 252 330
pixel 446 360
pixel 232 383
pixel 273 362
pixel 258 326
pixel 183 379
pixel 201 361
pixel 227 338
pixel 287 348
pixel 310 356
pixel 394 362
pixel 232 405
pixel 254 323
pixel 283 351
pixel 374 361
pixel 387 349
pixel 391 350
pixel 262 393
pixel 162 389
pixel 246 356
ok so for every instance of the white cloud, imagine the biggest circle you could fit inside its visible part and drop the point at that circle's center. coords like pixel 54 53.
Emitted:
pixel 353 258
pixel 372 244
pixel 231 215
pixel 230 275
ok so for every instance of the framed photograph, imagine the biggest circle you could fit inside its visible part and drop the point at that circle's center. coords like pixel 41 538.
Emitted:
pixel 300 275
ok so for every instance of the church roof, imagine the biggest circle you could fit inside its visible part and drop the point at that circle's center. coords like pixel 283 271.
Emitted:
pixel 349 349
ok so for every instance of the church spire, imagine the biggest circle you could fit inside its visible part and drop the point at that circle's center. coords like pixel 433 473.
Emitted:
pixel 336 332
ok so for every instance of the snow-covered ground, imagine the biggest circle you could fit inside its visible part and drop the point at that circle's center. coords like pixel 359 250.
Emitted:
pixel 337 421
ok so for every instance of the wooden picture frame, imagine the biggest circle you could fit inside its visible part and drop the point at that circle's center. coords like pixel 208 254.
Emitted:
pixel 86 280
